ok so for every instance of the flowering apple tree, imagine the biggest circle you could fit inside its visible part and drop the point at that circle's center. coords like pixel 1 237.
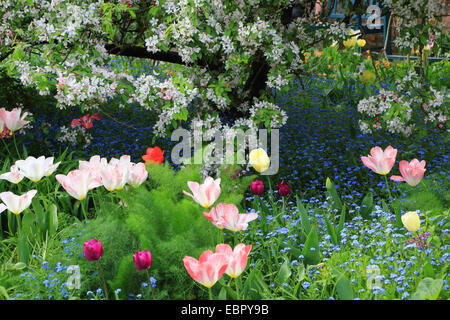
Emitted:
pixel 231 50
pixel 232 54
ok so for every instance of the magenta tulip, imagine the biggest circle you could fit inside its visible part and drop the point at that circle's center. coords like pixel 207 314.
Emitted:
pixel 143 259
pixel 284 189
pixel 93 250
pixel 257 187
pixel 412 172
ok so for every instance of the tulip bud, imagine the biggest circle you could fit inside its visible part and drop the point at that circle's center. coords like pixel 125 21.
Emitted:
pixel 257 187
pixel 143 259
pixel 283 189
pixel 93 250
pixel 411 221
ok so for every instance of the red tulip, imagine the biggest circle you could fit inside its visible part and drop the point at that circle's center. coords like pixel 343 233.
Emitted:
pixel 85 121
pixel 257 187
pixel 93 250
pixel 284 189
pixel 143 259
pixel 153 155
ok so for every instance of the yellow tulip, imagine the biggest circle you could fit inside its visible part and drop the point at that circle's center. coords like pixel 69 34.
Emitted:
pixel 259 160
pixel 351 42
pixel 411 221
pixel 361 43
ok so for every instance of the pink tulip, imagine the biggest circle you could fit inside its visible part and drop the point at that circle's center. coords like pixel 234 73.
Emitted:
pixel 14 203
pixel 412 172
pixel 77 183
pixel 124 160
pixel 237 258
pixel 14 176
pixel 138 174
pixel 143 259
pixel 12 119
pixel 227 216
pixel 380 161
pixel 95 163
pixel 93 250
pixel 204 194
pixel 115 176
pixel 208 269
pixel 36 168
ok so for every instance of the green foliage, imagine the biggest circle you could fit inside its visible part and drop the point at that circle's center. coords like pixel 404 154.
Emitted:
pixel 311 250
pixel 170 225
pixel 431 195
pixel 117 241
pixel 428 289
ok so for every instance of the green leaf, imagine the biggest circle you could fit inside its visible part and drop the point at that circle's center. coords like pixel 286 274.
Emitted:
pixel 284 273
pixel 28 226
pixel 4 293
pixel 23 248
pixel 38 210
pixel 53 219
pixel 255 284
pixel 428 289
pixel 367 206
pixel 343 286
pixel 222 294
pixel 331 230
pixel 384 206
pixel 428 270
pixel 19 266
pixel 336 202
pixel 311 251
pixel 341 222
pixel 306 226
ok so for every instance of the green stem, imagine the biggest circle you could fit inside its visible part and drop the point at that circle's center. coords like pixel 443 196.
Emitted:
pixel 426 186
pixel 6 146
pixel 387 186
pixel 103 277
pixel 19 223
pixel 237 288
pixel 83 209
pixel 210 294
pixel 15 145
